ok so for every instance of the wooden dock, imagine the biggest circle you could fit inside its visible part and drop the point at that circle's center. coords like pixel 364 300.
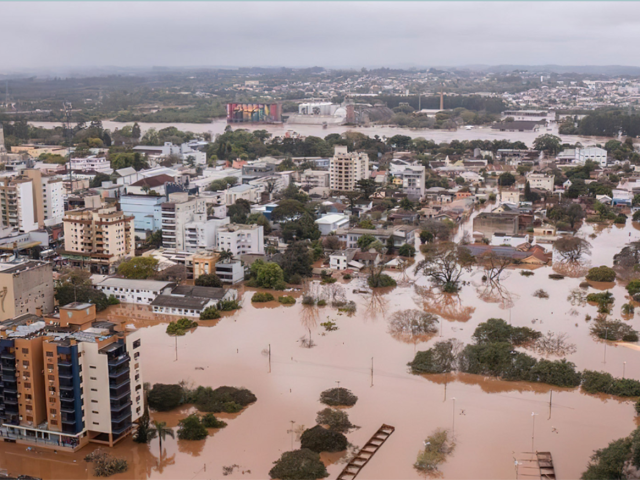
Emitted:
pixel 536 465
pixel 365 454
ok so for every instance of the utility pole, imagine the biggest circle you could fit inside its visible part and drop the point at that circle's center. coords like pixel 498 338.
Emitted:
pixel 269 358
pixel 372 371
pixel 453 423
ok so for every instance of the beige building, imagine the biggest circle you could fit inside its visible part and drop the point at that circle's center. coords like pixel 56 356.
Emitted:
pixel 347 168
pixel 98 238
pixel 69 379
pixel 541 181
pixel 204 263
pixel 25 287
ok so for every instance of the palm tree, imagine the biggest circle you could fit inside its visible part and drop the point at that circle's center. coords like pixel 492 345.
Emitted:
pixel 161 431
pixel 226 255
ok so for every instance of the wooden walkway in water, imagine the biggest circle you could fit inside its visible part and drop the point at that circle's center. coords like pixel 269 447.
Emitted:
pixel 365 454
pixel 536 465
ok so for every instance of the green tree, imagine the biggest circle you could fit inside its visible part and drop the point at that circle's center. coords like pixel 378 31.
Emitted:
pixel 297 260
pixel 407 250
pixel 406 204
pixel 548 143
pixel 138 268
pixel 191 428
pixel 506 179
pixel 365 241
pixel 239 211
pixel 288 210
pixel 208 280
pixel 98 179
pixel 367 187
pixel 267 275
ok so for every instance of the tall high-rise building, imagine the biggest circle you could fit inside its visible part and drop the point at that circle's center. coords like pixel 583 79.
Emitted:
pixel 67 380
pixel 347 168
pixel 176 214
pixel 25 287
pixel 2 147
pixel 98 238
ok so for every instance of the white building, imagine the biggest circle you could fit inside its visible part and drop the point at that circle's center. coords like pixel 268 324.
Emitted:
pixel 581 155
pixel 52 200
pixel 347 168
pixel 529 115
pixel 185 152
pixel 249 193
pixel 131 291
pixel 230 272
pixel 176 213
pixel 92 163
pixel 200 234
pixel 241 239
pixel 413 179
pixel 498 239
pixel 17 204
pixel 331 223
pixel 541 181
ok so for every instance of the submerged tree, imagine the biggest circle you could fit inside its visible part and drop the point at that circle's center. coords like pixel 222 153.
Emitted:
pixel 413 325
pixel 444 264
pixel 572 249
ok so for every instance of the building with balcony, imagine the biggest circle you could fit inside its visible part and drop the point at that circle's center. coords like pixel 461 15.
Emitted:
pixel 347 168
pixel 241 239
pixel 17 203
pixel 231 272
pixel 200 233
pixel 411 178
pixel 68 379
pixel 541 181
pixel 98 238
pixel 91 164
pixel 146 211
pixel 176 213
pixel 401 234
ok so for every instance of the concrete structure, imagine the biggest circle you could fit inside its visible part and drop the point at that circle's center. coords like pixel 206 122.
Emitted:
pixel 331 223
pixel 201 234
pixel 17 203
pixel 25 287
pixel 490 223
pixel 131 291
pixel 188 301
pixel 69 379
pixel 510 196
pixel 98 238
pixel 581 155
pixel 245 192
pixel 411 178
pixel 241 239
pixel 498 239
pixel 347 168
pixel 176 213
pixel 204 263
pixel 91 164
pixel 183 152
pixel 401 235
pixel 340 260
pixel 530 115
pixel 315 179
pixel 146 211
pixel 230 272
pixel 52 200
pixel 541 181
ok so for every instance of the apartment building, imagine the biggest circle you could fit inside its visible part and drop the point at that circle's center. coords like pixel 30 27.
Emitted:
pixel 176 213
pixel 98 238
pixel 401 234
pixel 52 200
pixel 347 168
pixel 315 179
pixel 146 211
pixel 91 164
pixel 17 204
pixel 241 239
pixel 25 287
pixel 200 234
pixel 541 181
pixel 411 178
pixel 230 271
pixel 68 379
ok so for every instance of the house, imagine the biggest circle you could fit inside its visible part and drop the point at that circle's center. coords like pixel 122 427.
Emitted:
pixel 541 181
pixel 535 255
pixel 510 196
pixel 341 260
pixel 401 234
pixel 621 197
pixel 190 301
pixel 331 223
pixel 367 259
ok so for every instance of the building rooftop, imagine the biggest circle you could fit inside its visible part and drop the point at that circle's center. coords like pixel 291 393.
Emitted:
pixel 212 293
pixel 153 285
pixel 176 301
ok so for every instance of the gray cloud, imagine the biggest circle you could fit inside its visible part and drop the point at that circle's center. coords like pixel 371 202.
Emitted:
pixel 53 34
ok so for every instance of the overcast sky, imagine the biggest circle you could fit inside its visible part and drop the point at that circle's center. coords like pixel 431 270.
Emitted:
pixel 330 34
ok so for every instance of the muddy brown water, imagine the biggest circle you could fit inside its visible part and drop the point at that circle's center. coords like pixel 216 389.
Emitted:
pixel 492 419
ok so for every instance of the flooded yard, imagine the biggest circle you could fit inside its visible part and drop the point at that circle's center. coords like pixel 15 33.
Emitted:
pixel 491 419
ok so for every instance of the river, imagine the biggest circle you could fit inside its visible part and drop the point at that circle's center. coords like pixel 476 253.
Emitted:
pixel 493 418
pixel 384 131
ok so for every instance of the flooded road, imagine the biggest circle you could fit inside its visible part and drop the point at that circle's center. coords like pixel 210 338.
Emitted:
pixel 384 131
pixel 492 420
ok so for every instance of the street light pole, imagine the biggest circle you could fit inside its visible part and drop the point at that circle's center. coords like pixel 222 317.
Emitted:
pixel 533 431
pixel 624 367
pixel 453 423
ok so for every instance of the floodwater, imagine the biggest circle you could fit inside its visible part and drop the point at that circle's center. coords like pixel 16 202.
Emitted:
pixel 491 419
pixel 384 131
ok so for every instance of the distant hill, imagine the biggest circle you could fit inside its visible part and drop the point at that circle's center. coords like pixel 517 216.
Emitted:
pixel 581 69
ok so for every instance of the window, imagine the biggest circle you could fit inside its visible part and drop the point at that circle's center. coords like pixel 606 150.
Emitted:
pixel 49 354
pixel 96 423
pixel 94 401
pixel 94 389
pixel 54 422
pixel 95 411
pixel 136 344
pixel 137 376
pixel 52 400
pixel 25 350
pixel 93 378
pixel 53 411
pixel 27 385
pixel 92 366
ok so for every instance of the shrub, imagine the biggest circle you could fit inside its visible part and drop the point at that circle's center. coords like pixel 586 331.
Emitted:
pixel 328 280
pixel 609 462
pixel 329 326
pixel 347 276
pixel 540 293
pixel 614 330
pixel 620 219
pixel 295 279
pixel 210 313
pixel 526 273
pixel 601 274
pixel 349 307
pixel 633 286
pixel 181 326
pixel 407 250
pixel 228 305
pixel 322 303
pixel 559 372
pixel 286 300
pixel 439 359
pixel 596 382
pixel 308 300
pixel 262 297
pixel 210 421
pixel 208 280
pixel 638 402
pixel 191 428
pixel 104 465
pixel 319 439
pixel 436 449
pixel 556 276
pixel 301 464
pixel 222 399
pixel 164 397
pixel 628 309
pixel 382 280
pixel 494 359
pixel 336 420
pixel 497 330
pixel 338 397
pixel 113 300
